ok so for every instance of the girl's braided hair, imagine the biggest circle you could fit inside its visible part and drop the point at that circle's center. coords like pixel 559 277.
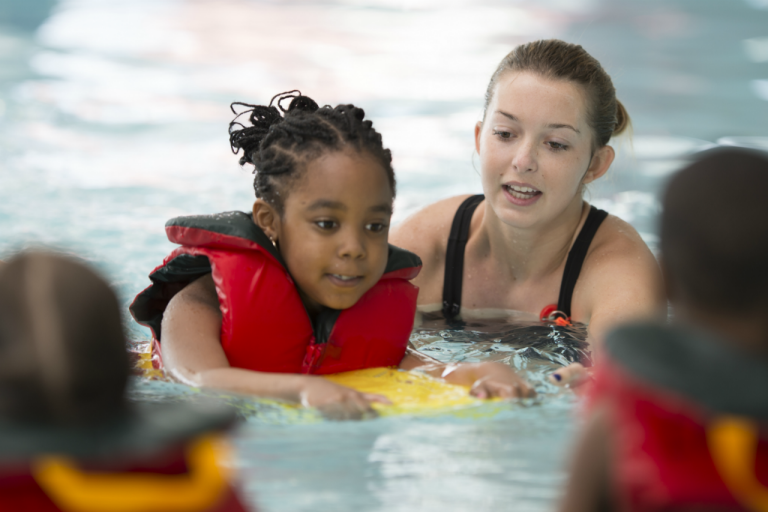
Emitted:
pixel 282 140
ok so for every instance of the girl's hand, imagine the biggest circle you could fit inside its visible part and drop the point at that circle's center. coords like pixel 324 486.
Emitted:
pixel 338 402
pixel 489 380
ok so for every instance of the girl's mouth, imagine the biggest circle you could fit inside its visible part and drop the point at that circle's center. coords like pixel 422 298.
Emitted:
pixel 521 195
pixel 344 281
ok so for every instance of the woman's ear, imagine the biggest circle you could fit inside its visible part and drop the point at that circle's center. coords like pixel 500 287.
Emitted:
pixel 266 217
pixel 478 130
pixel 601 161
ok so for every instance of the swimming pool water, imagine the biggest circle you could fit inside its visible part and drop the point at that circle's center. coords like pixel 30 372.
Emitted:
pixel 113 119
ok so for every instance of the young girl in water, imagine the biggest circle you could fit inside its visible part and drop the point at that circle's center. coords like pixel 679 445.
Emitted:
pixel 679 415
pixel 305 284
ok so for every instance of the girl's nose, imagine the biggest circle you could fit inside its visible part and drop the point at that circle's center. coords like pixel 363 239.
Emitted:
pixel 525 156
pixel 352 245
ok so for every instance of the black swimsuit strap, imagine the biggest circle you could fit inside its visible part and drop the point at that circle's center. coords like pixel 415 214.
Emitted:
pixel 576 258
pixel 457 242
pixel 454 256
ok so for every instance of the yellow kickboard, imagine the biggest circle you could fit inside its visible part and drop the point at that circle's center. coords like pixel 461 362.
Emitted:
pixel 408 391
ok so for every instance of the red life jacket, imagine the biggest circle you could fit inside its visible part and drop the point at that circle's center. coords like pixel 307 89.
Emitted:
pixel 265 326
pixel 688 421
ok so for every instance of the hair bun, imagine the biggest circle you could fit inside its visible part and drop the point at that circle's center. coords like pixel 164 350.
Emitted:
pixel 303 103
pixel 248 138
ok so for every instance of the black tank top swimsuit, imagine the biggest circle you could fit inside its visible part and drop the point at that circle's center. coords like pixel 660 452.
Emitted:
pixel 457 242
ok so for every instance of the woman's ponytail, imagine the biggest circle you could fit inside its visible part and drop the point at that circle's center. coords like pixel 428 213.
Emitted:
pixel 622 119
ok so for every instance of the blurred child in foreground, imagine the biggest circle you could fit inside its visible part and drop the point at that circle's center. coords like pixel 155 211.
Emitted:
pixel 679 415
pixel 69 440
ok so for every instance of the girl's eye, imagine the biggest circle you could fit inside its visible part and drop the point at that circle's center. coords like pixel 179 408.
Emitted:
pixel 326 224
pixel 375 227
pixel 557 146
pixel 502 134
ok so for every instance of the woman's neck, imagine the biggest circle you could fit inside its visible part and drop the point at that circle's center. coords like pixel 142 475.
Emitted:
pixel 535 252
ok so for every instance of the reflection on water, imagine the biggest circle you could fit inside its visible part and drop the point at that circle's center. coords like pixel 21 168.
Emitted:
pixel 517 343
pixel 113 119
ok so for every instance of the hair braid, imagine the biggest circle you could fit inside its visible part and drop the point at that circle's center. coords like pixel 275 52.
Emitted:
pixel 281 141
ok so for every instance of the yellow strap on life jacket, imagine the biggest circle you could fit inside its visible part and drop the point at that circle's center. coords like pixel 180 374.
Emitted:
pixel 74 490
pixel 732 442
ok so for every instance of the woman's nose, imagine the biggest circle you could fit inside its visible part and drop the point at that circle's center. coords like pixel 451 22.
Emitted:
pixel 525 156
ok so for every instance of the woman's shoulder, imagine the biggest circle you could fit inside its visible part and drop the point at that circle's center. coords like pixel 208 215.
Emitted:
pixel 621 278
pixel 617 240
pixel 426 231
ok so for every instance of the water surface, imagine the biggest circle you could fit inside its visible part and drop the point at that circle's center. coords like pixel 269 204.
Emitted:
pixel 113 119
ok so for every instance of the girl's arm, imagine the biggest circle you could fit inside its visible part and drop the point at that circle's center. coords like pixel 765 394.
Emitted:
pixel 192 354
pixel 486 380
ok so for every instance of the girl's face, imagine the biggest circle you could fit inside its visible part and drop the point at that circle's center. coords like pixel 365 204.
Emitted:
pixel 334 228
pixel 535 149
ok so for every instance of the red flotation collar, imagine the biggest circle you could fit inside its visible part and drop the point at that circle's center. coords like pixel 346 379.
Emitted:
pixel 265 326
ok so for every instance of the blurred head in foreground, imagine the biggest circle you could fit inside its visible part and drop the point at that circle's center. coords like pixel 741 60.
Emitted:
pixel 63 358
pixel 678 411
pixel 714 242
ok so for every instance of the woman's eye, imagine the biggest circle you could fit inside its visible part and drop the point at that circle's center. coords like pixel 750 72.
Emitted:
pixel 502 134
pixel 557 146
pixel 326 224
pixel 375 227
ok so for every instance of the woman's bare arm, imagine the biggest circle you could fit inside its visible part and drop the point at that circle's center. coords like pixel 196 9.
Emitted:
pixel 192 354
pixel 620 282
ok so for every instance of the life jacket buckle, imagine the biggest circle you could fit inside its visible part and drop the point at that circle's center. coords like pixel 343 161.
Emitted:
pixel 312 356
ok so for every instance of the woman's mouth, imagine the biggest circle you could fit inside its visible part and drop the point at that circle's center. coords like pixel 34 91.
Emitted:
pixel 344 281
pixel 521 195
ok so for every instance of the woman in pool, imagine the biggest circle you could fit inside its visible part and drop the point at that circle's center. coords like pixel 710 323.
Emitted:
pixel 305 285
pixel 531 243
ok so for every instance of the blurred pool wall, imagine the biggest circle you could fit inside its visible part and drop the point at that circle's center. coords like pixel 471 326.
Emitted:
pixel 113 119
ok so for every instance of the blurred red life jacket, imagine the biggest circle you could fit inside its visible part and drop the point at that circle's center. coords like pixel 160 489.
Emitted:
pixel 168 457
pixel 265 326
pixel 688 417
pixel 168 481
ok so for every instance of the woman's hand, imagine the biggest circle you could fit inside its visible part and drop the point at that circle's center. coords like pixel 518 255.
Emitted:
pixel 489 380
pixel 338 402
pixel 486 380
pixel 574 376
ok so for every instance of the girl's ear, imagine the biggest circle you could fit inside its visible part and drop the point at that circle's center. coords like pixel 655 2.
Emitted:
pixel 266 217
pixel 601 161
